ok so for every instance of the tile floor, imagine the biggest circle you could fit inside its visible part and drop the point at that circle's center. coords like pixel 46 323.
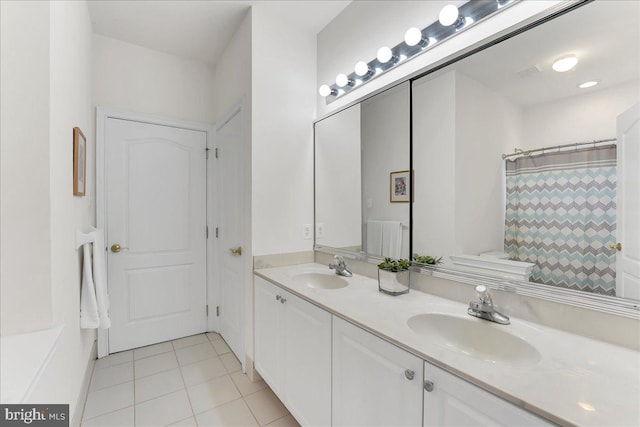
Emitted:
pixel 192 381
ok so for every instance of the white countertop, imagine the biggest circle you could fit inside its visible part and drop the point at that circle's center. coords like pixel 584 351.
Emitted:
pixel 577 381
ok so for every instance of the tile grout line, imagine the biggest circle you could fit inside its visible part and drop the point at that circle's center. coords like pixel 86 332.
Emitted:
pixel 186 390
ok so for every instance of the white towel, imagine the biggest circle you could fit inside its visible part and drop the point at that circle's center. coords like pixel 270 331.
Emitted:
pixel 384 238
pixel 94 302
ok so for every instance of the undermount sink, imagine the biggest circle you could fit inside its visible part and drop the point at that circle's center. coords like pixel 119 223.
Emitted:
pixel 476 338
pixel 321 280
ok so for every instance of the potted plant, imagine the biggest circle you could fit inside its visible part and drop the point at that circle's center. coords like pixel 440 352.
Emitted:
pixel 426 259
pixel 393 276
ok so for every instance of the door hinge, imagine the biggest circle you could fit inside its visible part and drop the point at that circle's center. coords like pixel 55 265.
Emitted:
pixel 217 311
pixel 217 232
pixel 206 150
pixel 206 233
pixel 216 152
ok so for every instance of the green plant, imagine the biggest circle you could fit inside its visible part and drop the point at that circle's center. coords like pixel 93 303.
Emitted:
pixel 426 259
pixel 394 265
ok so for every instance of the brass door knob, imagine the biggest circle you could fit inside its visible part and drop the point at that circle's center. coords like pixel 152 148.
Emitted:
pixel 617 246
pixel 116 248
pixel 236 251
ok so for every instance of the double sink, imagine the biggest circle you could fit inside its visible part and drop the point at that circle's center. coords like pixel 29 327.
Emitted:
pixel 473 337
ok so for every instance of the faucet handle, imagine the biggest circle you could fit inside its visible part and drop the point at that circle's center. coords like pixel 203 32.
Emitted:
pixel 483 293
pixel 339 259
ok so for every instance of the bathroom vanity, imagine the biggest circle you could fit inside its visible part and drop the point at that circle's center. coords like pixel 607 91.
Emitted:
pixel 338 352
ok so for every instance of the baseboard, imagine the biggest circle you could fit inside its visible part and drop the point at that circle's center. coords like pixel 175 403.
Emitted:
pixel 84 390
pixel 251 370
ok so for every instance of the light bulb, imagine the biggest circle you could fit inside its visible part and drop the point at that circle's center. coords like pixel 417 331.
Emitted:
pixel 566 63
pixel 342 80
pixel 325 90
pixel 413 36
pixel 588 84
pixel 448 15
pixel 384 55
pixel 361 69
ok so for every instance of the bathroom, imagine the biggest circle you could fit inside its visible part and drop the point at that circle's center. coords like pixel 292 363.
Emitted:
pixel 78 62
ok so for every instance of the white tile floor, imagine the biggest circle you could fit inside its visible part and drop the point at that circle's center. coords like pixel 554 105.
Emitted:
pixel 193 381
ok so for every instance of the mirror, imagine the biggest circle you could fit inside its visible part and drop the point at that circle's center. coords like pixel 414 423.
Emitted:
pixel 566 208
pixel 362 186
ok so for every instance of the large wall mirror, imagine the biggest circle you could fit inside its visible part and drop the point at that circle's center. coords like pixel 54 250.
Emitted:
pixel 563 208
pixel 362 180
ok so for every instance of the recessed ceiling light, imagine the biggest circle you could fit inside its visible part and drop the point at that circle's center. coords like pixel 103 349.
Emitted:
pixel 566 63
pixel 590 83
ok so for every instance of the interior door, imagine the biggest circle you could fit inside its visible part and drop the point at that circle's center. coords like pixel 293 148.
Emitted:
pixel 230 231
pixel 156 225
pixel 628 193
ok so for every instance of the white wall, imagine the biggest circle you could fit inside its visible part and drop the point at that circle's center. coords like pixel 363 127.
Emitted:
pixel 364 26
pixel 587 117
pixel 137 79
pixel 283 107
pixel 46 91
pixel 385 149
pixel 339 179
pixel 25 226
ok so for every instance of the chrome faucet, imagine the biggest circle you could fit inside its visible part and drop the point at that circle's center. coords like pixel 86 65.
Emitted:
pixel 484 309
pixel 340 266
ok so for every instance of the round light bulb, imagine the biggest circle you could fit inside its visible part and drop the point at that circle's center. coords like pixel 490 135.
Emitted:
pixel 566 63
pixel 384 54
pixel 342 80
pixel 448 15
pixel 324 90
pixel 361 68
pixel 588 84
pixel 413 36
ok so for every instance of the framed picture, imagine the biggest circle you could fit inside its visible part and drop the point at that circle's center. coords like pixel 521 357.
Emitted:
pixel 79 162
pixel 400 184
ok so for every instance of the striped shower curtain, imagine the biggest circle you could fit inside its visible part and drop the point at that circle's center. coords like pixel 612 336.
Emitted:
pixel 561 215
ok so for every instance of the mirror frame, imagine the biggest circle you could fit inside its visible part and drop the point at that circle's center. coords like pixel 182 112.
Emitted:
pixel 607 304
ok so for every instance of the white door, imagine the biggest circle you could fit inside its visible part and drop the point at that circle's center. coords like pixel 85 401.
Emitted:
pixel 628 193
pixel 156 212
pixel 374 382
pixel 231 214
pixel 451 401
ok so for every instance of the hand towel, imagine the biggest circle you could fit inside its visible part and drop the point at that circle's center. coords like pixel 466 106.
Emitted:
pixel 374 237
pixel 391 239
pixel 100 277
pixel 89 318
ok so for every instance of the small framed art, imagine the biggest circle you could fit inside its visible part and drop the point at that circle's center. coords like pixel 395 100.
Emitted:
pixel 79 162
pixel 400 191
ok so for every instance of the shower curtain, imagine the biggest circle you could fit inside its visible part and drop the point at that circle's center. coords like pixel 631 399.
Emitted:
pixel 561 215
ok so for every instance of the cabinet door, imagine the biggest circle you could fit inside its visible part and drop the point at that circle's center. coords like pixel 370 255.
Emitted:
pixel 308 362
pixel 268 333
pixel 372 383
pixel 455 402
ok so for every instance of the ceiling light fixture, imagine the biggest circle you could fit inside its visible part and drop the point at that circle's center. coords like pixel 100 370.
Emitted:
pixel 416 41
pixel 590 83
pixel 564 64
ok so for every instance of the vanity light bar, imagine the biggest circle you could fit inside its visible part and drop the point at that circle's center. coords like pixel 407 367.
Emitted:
pixel 416 41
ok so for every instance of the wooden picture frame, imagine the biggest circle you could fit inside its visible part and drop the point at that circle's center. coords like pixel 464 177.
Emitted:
pixel 400 187
pixel 79 162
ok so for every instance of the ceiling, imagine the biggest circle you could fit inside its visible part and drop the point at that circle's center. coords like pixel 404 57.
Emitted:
pixel 606 40
pixel 196 29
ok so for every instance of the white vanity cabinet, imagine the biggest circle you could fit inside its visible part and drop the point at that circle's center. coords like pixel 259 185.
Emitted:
pixel 374 382
pixel 451 401
pixel 293 352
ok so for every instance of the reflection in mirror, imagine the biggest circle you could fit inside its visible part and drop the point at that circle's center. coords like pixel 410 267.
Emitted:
pixel 362 184
pixel 555 212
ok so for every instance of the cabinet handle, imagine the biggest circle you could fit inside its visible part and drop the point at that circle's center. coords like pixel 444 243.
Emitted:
pixel 428 385
pixel 278 297
pixel 409 374
pixel 283 300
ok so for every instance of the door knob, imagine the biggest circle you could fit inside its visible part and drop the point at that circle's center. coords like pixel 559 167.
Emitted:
pixel 236 251
pixel 617 246
pixel 116 248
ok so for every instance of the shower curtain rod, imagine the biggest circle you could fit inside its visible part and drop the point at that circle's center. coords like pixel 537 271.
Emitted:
pixel 520 152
